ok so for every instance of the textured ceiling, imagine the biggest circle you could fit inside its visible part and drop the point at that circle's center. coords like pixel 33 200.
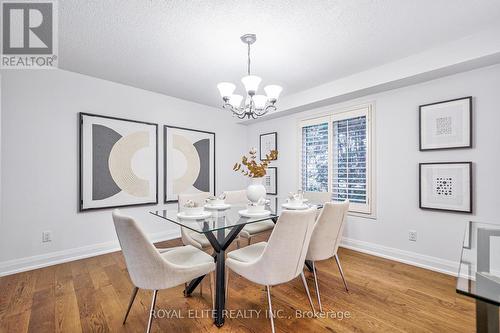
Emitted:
pixel 184 48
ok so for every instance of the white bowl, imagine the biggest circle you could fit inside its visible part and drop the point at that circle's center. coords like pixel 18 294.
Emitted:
pixel 190 211
pixel 216 202
pixel 295 202
pixel 255 209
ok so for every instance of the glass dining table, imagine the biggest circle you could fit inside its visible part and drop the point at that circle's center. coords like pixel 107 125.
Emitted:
pixel 221 228
pixel 479 273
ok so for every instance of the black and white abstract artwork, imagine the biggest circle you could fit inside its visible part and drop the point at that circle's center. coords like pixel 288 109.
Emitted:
pixel 271 181
pixel 189 162
pixel 446 125
pixel 118 162
pixel 446 186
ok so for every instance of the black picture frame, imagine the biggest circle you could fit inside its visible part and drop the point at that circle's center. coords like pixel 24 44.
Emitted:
pixel 470 208
pixel 262 155
pixel 275 181
pixel 165 158
pixel 443 102
pixel 80 162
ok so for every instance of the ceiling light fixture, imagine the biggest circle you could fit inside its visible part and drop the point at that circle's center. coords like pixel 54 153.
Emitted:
pixel 254 105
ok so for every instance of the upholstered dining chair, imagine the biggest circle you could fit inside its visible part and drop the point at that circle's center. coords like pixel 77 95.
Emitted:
pixel 279 260
pixel 318 197
pixel 326 237
pixel 153 269
pixel 190 237
pixel 252 229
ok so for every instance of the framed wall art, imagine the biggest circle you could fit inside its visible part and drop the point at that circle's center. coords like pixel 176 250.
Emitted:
pixel 267 142
pixel 446 125
pixel 271 181
pixel 189 161
pixel 446 186
pixel 118 162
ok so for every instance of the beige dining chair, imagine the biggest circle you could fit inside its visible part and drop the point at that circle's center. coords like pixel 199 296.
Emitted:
pixel 326 237
pixel 279 260
pixel 154 269
pixel 252 229
pixel 318 197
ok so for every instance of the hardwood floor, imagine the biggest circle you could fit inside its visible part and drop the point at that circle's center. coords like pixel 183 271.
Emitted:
pixel 91 295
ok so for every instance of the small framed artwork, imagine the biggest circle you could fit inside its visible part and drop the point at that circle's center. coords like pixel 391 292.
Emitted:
pixel 118 162
pixel 189 161
pixel 446 125
pixel 268 142
pixel 271 180
pixel 446 186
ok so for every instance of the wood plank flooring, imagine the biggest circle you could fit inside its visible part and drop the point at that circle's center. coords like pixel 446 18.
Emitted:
pixel 91 295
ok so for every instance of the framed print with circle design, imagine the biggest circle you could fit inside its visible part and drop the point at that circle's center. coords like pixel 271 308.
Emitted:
pixel 189 161
pixel 446 125
pixel 446 186
pixel 118 162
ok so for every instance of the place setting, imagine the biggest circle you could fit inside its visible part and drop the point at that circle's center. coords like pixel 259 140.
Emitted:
pixel 217 203
pixel 193 211
pixel 256 209
pixel 295 201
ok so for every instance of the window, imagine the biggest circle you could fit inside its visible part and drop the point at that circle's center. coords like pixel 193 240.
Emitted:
pixel 336 157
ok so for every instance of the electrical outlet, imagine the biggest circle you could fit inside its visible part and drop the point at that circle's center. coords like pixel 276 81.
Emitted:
pixel 412 235
pixel 46 236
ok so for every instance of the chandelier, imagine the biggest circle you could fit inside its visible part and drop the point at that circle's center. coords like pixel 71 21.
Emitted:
pixel 255 105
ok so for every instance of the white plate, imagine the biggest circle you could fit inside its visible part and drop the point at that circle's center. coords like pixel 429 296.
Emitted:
pixel 245 213
pixel 203 216
pixel 295 207
pixel 218 207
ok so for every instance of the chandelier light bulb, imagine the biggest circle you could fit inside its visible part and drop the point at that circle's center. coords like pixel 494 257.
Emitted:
pixel 251 83
pixel 226 89
pixel 235 100
pixel 273 91
pixel 260 101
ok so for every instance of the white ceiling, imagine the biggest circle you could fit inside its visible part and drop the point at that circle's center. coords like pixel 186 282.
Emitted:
pixel 184 48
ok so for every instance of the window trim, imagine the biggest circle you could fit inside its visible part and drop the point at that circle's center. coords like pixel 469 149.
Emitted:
pixel 329 116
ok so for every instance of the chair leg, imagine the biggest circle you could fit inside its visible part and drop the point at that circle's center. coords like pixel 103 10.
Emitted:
pixel 212 289
pixel 249 240
pixel 153 302
pixel 268 288
pixel 341 272
pixel 227 284
pixel 317 287
pixel 307 291
pixel 132 298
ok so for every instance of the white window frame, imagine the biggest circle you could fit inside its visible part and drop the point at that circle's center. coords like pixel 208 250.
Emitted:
pixel 365 210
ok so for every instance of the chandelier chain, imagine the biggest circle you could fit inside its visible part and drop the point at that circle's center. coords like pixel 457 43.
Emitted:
pixel 248 58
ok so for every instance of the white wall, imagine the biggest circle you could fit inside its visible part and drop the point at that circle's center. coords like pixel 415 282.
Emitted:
pixel 397 157
pixel 39 166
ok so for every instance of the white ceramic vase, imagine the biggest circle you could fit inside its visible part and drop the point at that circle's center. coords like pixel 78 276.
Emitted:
pixel 256 190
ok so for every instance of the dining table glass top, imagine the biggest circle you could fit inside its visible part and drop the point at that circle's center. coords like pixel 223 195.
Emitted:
pixel 479 271
pixel 226 218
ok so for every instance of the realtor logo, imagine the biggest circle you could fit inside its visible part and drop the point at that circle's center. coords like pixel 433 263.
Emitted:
pixel 29 34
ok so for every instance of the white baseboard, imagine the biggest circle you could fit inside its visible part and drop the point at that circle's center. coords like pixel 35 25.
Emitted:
pixel 59 257
pixel 411 258
pixel 54 258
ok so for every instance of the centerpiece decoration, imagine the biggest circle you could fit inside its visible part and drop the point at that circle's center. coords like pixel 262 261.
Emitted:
pixel 256 172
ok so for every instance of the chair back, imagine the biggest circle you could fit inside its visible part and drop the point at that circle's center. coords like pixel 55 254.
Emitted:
pixel 198 198
pixel 144 263
pixel 318 197
pixel 283 258
pixel 327 233
pixel 236 197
